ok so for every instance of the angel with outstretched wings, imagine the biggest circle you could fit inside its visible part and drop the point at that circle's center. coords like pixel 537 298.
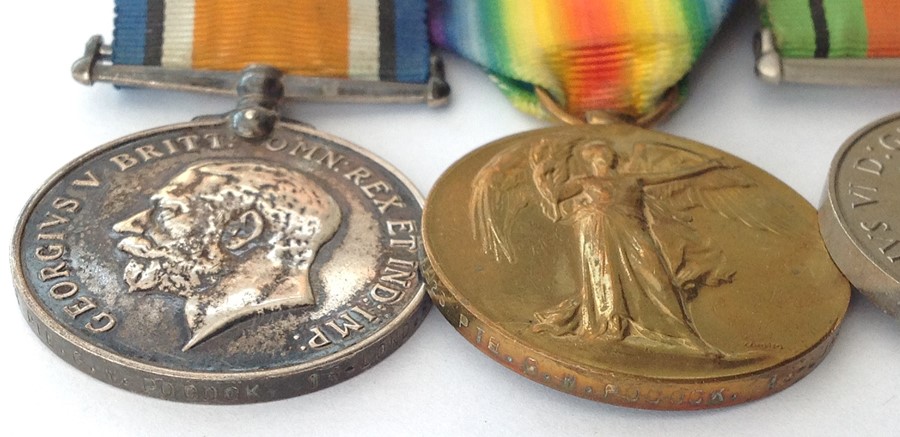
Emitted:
pixel 641 258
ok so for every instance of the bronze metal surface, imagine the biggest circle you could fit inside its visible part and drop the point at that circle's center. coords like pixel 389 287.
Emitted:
pixel 632 267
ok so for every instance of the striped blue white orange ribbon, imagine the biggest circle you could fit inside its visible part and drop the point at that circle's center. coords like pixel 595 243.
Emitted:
pixel 361 39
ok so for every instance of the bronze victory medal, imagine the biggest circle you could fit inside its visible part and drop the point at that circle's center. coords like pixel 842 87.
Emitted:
pixel 860 211
pixel 187 264
pixel 632 267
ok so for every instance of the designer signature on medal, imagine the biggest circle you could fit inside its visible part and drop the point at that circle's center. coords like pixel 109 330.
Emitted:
pixel 232 238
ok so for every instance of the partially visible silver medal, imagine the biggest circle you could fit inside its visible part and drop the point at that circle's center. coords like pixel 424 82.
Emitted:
pixel 860 214
pixel 232 259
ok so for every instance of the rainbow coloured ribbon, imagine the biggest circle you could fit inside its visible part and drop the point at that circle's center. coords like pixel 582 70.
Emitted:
pixel 617 55
pixel 834 28
pixel 384 40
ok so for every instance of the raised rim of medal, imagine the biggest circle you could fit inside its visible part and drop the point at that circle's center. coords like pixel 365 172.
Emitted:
pixel 830 204
pixel 26 292
pixel 586 368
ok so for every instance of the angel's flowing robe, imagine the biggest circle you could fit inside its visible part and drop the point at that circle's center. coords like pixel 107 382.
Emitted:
pixel 629 287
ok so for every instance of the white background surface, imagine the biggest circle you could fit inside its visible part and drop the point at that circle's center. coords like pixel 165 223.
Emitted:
pixel 436 384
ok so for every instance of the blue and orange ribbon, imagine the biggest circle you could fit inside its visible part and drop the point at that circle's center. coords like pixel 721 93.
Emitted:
pixel 383 40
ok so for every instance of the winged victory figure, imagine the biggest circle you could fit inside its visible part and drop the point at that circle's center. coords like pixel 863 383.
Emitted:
pixel 641 258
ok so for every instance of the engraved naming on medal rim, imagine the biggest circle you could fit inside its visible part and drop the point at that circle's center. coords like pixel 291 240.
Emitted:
pixel 188 264
pixel 631 267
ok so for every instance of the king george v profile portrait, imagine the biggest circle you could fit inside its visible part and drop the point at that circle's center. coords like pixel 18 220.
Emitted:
pixel 232 238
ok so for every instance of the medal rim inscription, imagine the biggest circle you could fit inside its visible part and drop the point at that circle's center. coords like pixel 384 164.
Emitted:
pixel 39 318
pixel 867 272
pixel 759 384
pixel 467 318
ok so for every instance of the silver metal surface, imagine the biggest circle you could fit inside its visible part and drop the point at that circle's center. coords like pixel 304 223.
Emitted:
pixel 773 68
pixel 95 66
pixel 187 263
pixel 260 90
pixel 860 212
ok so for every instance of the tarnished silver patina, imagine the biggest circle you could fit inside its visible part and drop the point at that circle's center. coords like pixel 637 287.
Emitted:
pixel 860 213
pixel 96 66
pixel 233 259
